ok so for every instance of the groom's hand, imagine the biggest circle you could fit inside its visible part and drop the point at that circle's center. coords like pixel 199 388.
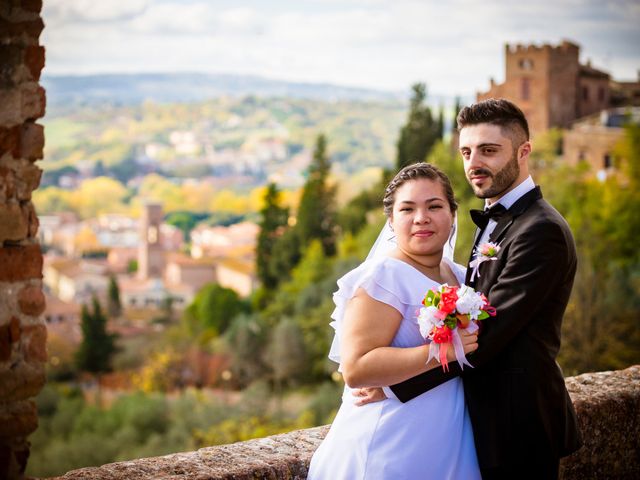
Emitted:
pixel 469 340
pixel 368 395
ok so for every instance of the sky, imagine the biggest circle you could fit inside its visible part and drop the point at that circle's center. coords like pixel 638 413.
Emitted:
pixel 453 46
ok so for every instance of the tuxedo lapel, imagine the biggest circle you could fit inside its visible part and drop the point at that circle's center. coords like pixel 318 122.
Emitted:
pixel 517 209
pixel 501 227
pixel 467 277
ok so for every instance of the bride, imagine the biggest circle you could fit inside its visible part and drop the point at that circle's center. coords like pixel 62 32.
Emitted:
pixel 378 343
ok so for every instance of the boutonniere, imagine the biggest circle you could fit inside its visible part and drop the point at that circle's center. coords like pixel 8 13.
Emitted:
pixel 485 252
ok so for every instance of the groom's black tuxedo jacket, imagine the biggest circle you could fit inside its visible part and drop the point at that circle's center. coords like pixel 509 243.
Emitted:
pixel 518 404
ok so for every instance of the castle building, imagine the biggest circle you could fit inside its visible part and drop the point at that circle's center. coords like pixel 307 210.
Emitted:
pixel 550 85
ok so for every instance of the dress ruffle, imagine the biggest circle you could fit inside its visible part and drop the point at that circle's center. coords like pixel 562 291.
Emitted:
pixel 383 281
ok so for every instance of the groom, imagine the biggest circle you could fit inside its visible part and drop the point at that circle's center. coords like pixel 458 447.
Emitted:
pixel 523 419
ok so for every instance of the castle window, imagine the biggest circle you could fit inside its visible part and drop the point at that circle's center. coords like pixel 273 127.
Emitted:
pixel 525 92
pixel 526 64
pixel 581 156
pixel 585 93
pixel 607 161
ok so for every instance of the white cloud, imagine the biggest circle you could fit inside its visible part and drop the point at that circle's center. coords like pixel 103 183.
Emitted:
pixel 60 12
pixel 454 46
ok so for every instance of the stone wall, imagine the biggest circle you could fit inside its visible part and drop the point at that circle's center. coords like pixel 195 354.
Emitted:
pixel 607 404
pixel 22 331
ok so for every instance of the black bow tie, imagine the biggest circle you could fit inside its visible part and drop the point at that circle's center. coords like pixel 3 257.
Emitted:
pixel 481 217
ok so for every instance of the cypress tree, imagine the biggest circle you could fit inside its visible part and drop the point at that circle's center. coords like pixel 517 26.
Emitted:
pixel 316 213
pixel 441 122
pixel 420 132
pixel 272 224
pixel 98 346
pixel 114 306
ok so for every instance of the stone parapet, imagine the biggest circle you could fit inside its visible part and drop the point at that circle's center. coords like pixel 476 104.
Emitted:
pixel 607 404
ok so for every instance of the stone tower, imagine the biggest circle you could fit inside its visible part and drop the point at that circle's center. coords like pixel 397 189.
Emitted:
pixel 150 251
pixel 550 85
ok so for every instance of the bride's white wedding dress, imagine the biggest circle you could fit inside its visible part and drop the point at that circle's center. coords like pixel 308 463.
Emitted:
pixel 429 437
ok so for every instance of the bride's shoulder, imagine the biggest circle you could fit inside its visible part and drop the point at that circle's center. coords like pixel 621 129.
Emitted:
pixel 385 279
pixel 387 272
pixel 374 267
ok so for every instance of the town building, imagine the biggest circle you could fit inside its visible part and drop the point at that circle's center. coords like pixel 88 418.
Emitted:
pixel 593 140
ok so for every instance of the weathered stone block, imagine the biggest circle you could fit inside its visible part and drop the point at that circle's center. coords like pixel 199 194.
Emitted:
pixel 13 224
pixel 18 419
pixel 13 458
pixel 31 300
pixel 28 177
pixel 34 343
pixel 10 140
pixel 32 141
pixel 33 102
pixel 34 223
pixel 20 262
pixel 23 380
pixel 7 184
pixel 6 345
pixel 18 30
pixel 11 101
pixel 33 6
pixel 11 56
pixel 14 329
pixel 34 60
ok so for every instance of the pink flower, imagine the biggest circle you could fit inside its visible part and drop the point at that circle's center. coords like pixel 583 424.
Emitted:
pixel 489 249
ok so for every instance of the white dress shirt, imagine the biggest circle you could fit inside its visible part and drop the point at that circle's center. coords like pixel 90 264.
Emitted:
pixel 506 201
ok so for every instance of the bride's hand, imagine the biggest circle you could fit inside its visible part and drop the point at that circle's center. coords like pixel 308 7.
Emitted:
pixel 368 395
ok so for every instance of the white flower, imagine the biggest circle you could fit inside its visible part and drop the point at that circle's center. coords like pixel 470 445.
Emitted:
pixel 427 320
pixel 469 302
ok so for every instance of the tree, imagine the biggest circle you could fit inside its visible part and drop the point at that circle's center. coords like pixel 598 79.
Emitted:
pixel 245 339
pixel 186 221
pixel 353 216
pixel 440 126
pixel 285 255
pixel 212 310
pixel 114 306
pixel 316 213
pixel 272 224
pixel 286 353
pixel 97 346
pixel 420 132
pixel 456 110
pixel 600 331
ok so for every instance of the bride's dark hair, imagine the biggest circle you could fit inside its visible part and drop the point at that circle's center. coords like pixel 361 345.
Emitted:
pixel 415 172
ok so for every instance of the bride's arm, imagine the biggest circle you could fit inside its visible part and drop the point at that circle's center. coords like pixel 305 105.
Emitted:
pixel 366 358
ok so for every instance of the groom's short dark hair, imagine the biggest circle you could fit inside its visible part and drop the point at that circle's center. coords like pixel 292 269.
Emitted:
pixel 499 112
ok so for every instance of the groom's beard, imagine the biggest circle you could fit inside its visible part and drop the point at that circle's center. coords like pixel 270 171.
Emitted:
pixel 500 181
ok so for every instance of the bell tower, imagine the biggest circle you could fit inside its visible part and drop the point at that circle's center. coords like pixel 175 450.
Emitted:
pixel 150 251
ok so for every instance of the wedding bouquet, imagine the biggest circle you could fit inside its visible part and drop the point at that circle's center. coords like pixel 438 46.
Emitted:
pixel 445 310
